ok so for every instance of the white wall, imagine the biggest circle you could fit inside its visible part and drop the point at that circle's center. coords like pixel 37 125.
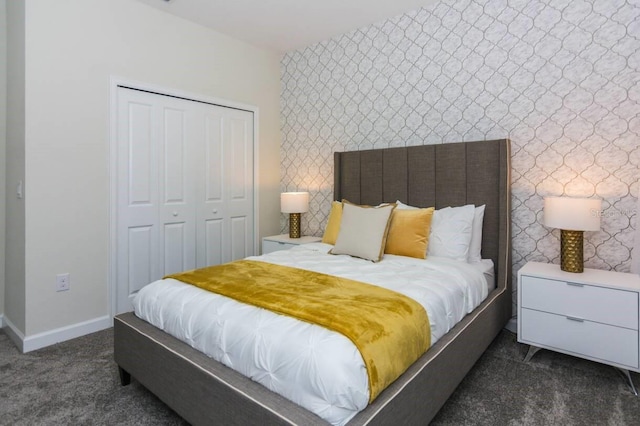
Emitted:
pixel 15 208
pixel 72 50
pixel 3 143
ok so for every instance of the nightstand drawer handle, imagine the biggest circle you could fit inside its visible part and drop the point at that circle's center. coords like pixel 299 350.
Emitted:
pixel 575 319
pixel 576 284
pixel 281 243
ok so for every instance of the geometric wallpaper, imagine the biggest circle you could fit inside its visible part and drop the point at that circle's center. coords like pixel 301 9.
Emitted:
pixel 561 79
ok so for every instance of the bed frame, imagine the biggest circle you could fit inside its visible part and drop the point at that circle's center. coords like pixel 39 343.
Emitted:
pixel 204 391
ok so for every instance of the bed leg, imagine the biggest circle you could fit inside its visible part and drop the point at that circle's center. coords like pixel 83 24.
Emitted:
pixel 125 377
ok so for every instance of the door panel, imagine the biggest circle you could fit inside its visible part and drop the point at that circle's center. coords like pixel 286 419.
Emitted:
pixel 175 248
pixel 213 166
pixel 174 156
pixel 140 155
pixel 239 171
pixel 213 242
pixel 239 230
pixel 141 251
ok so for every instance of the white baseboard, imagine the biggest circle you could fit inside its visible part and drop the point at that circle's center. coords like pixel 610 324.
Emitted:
pixel 48 338
pixel 14 334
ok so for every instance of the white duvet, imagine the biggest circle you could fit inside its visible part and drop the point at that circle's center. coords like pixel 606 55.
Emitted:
pixel 316 368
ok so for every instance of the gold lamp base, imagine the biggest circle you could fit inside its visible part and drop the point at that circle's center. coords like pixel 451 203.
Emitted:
pixel 571 251
pixel 294 225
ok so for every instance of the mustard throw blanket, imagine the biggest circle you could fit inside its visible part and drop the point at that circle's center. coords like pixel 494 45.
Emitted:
pixel 390 330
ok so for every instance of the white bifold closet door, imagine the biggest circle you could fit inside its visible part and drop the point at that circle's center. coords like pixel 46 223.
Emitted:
pixel 185 195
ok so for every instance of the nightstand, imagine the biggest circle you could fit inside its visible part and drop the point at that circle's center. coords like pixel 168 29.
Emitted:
pixel 592 315
pixel 283 242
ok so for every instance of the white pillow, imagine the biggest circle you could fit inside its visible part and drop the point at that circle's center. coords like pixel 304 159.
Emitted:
pixel 475 247
pixel 402 206
pixel 451 230
pixel 363 231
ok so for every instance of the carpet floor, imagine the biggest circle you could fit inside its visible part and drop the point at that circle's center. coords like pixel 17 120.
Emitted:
pixel 76 382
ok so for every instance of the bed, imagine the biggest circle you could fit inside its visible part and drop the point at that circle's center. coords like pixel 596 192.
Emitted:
pixel 204 391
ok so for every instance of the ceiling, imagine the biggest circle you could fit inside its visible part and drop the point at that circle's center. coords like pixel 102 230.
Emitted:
pixel 284 25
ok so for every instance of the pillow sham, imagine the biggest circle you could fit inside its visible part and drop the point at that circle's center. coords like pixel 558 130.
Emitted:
pixel 475 246
pixel 363 231
pixel 409 232
pixel 451 230
pixel 333 224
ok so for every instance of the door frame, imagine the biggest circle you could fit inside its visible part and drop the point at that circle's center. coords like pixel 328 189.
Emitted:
pixel 114 84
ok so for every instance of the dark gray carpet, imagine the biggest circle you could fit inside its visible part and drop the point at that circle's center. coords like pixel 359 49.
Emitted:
pixel 551 389
pixel 76 382
pixel 73 383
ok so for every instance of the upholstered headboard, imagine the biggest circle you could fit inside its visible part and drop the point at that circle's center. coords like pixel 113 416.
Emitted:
pixel 451 174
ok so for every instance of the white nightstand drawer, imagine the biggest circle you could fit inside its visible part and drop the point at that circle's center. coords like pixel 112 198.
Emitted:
pixel 271 246
pixel 284 242
pixel 587 339
pixel 589 302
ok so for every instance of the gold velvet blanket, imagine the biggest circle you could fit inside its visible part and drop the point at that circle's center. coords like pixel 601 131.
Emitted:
pixel 390 330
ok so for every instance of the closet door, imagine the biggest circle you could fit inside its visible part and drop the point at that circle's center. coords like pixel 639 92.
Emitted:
pixel 225 210
pixel 177 213
pixel 184 188
pixel 156 196
pixel 138 196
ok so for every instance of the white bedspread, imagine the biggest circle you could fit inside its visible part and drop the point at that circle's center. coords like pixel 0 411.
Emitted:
pixel 316 368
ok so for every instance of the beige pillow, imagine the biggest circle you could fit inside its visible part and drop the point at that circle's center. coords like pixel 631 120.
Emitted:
pixel 363 231
pixel 409 232
pixel 333 224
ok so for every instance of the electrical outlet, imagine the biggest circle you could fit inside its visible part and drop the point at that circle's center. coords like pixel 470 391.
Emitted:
pixel 62 282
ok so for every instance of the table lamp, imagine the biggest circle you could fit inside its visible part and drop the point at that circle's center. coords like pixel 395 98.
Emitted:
pixel 294 203
pixel 572 216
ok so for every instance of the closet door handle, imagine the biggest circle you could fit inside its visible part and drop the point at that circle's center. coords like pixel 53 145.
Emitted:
pixel 215 211
pixel 175 214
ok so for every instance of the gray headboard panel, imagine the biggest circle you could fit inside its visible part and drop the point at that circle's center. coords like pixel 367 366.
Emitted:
pixel 451 174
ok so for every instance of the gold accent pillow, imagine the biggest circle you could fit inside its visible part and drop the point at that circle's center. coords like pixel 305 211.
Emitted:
pixel 333 224
pixel 363 231
pixel 409 232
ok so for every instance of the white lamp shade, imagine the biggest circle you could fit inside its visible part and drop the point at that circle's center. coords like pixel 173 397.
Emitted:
pixel 294 202
pixel 572 214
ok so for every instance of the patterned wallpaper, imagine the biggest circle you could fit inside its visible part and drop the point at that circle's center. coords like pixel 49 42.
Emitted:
pixel 560 78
